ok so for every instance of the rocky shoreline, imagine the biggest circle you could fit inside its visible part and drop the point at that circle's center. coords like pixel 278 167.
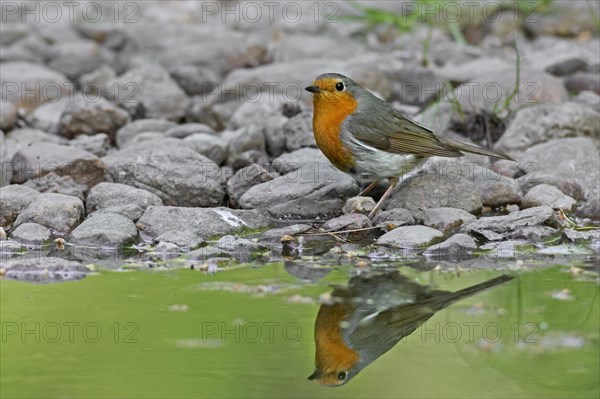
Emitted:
pixel 193 144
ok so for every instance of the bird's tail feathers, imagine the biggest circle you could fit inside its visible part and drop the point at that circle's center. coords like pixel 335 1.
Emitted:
pixel 455 145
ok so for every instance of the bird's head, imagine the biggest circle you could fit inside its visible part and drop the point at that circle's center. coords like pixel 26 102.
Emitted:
pixel 333 89
pixel 332 378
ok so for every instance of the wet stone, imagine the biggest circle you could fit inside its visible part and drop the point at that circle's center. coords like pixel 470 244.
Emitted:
pixel 203 223
pixel 581 236
pixel 183 239
pixel 410 237
pixel 532 233
pixel 207 253
pixel 445 218
pixel 287 230
pixel 458 245
pixel 396 217
pixel 507 249
pixel 306 272
pixel 31 233
pixel 350 221
pixel 10 248
pixel 541 215
pixel 167 250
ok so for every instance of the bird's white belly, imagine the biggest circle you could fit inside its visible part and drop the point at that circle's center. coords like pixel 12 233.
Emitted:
pixel 372 164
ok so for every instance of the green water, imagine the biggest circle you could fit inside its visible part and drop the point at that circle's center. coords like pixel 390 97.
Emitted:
pixel 248 333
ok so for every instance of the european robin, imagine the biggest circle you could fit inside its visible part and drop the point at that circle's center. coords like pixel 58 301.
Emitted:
pixel 363 321
pixel 368 138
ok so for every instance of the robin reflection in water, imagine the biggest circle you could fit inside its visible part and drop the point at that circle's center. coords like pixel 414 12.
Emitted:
pixel 367 318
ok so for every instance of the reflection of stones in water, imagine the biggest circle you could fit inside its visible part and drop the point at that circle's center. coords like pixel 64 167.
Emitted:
pixel 258 290
pixel 592 263
pixel 305 271
pixel 562 295
pixel 194 343
pixel 179 308
pixel 104 257
pixel 486 345
pixel 300 299
pixel 552 341
pixel 308 245
pixel 47 269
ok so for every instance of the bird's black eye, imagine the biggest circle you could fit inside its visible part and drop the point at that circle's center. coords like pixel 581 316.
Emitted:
pixel 339 86
pixel 342 375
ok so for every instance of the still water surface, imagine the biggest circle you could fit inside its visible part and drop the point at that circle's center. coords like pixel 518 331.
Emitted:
pixel 248 333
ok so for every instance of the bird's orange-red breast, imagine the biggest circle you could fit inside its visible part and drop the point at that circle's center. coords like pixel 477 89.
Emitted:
pixel 330 111
pixel 368 138
pixel 363 321
pixel 334 352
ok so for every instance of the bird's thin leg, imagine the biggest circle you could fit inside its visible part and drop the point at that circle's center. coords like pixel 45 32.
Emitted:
pixel 393 183
pixel 369 188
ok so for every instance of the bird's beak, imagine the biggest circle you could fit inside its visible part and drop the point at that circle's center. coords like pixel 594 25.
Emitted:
pixel 317 374
pixel 313 89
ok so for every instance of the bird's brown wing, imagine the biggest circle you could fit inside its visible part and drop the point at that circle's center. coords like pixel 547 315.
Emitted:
pixel 399 134
pixel 387 327
pixel 395 322
pixel 376 335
